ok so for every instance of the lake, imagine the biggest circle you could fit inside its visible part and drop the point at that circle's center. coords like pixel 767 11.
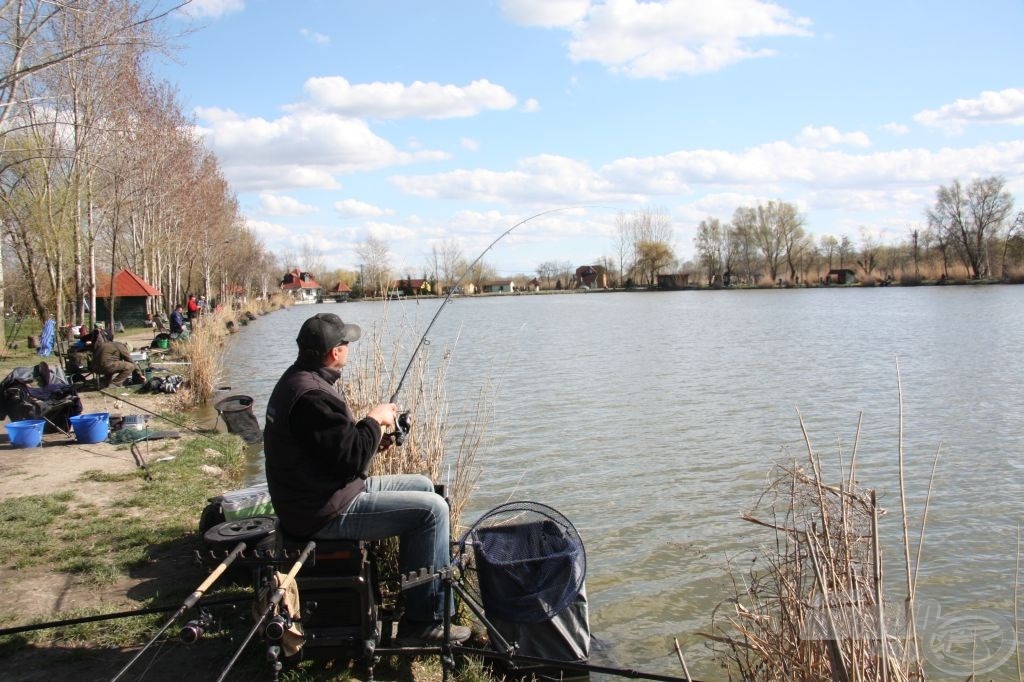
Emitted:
pixel 651 420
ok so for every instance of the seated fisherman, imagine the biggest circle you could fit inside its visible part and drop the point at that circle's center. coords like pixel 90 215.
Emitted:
pixel 113 361
pixel 317 456
pixel 177 322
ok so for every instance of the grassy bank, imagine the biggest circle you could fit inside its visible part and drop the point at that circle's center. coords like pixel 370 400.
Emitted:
pixel 113 540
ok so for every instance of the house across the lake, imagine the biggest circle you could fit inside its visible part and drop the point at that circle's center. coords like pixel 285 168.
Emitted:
pixel 841 276
pixel 339 292
pixel 301 286
pixel 591 277
pixel 503 286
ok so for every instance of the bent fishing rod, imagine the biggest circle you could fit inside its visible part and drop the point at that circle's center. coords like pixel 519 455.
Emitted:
pixel 189 602
pixel 279 593
pixel 454 287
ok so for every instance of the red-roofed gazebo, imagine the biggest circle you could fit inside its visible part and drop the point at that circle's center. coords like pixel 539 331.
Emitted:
pixel 126 294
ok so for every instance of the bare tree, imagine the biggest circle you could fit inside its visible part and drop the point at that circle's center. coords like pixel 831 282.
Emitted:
pixel 313 259
pixel 547 272
pixel 776 228
pixel 711 244
pixel 647 237
pixel 376 265
pixel 971 218
pixel 867 256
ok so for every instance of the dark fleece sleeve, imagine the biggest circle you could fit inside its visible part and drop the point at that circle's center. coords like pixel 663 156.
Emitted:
pixel 324 427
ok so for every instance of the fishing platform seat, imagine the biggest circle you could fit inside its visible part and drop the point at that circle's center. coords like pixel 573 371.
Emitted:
pixel 339 596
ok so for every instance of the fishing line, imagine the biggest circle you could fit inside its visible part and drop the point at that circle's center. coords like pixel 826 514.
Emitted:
pixel 452 289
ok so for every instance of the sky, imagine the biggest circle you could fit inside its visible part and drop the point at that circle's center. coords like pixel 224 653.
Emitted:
pixel 418 122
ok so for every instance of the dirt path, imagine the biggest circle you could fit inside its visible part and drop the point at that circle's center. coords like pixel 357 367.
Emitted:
pixel 60 462
pixel 59 465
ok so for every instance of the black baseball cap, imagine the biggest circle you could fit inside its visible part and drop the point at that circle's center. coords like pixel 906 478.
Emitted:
pixel 324 331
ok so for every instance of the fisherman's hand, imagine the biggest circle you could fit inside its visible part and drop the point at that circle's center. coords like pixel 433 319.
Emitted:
pixel 385 414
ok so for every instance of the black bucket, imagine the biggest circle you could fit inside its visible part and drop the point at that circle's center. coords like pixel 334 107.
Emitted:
pixel 236 411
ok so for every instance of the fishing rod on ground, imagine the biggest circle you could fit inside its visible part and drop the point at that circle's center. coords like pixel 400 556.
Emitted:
pixel 189 602
pixel 112 616
pixel 275 599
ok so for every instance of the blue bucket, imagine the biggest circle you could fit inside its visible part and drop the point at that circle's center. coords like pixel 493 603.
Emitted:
pixel 27 433
pixel 92 427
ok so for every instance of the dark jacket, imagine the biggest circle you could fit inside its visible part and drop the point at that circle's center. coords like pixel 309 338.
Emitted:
pixel 315 449
pixel 110 356
pixel 177 322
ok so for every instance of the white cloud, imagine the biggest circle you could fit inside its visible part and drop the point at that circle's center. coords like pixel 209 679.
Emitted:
pixel 895 128
pixel 545 13
pixel 280 204
pixel 305 149
pixel 1003 107
pixel 828 136
pixel 538 180
pixel 777 169
pixel 351 208
pixel 398 100
pixel 267 230
pixel 651 39
pixel 530 106
pixel 315 37
pixel 469 144
pixel 212 8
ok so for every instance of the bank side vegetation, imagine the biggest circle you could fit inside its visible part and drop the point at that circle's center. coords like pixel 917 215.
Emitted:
pixel 969 234
pixel 100 168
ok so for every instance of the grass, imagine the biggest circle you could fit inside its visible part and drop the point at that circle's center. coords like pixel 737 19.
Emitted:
pixel 147 522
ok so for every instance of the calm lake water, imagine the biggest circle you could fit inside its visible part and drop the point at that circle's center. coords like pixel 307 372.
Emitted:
pixel 651 420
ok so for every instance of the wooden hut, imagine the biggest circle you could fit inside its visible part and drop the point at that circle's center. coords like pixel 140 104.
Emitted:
pixel 127 295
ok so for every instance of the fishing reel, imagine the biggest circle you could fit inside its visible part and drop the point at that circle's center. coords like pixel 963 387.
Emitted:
pixel 402 427
pixel 277 626
pixel 194 629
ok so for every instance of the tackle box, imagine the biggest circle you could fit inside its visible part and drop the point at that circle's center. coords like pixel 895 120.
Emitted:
pixel 246 503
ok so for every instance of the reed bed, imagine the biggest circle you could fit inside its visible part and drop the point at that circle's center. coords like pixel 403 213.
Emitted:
pixel 203 349
pixel 810 605
pixel 434 447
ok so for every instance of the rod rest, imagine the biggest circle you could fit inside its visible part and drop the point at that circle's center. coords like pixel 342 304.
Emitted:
pixel 259 556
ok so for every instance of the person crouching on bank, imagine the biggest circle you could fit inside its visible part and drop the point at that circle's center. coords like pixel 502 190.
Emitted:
pixel 317 456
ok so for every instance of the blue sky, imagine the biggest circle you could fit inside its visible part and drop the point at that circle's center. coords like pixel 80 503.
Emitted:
pixel 421 122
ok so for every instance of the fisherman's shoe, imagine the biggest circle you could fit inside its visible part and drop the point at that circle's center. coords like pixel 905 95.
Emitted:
pixel 420 634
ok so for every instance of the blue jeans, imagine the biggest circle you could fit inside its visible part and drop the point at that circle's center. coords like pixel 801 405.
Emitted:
pixel 407 506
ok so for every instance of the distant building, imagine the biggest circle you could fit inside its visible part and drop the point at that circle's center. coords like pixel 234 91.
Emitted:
pixel 591 276
pixel 411 286
pixel 339 292
pixel 127 295
pixel 504 286
pixel 533 285
pixel 678 280
pixel 841 276
pixel 301 286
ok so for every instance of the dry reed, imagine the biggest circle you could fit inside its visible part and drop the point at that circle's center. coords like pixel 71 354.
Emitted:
pixel 810 606
pixel 203 349
pixel 373 372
